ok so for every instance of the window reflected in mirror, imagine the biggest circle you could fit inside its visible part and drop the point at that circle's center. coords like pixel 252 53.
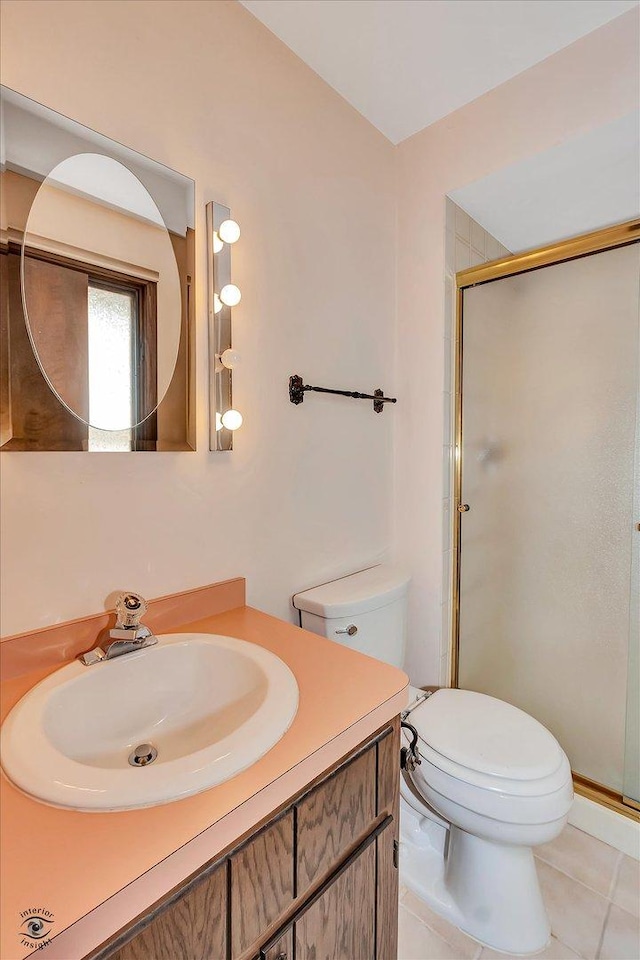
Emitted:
pixel 112 322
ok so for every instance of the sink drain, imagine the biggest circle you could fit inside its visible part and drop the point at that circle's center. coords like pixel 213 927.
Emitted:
pixel 143 754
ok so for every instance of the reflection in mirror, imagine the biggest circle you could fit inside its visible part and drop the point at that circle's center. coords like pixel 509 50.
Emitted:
pixel 126 323
pixel 96 253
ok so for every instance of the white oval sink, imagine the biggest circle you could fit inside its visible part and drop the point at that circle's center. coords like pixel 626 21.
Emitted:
pixel 210 705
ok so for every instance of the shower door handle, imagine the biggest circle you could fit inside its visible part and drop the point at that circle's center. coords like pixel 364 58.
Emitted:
pixel 463 508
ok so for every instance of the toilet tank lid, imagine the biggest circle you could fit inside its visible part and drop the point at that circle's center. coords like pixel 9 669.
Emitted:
pixel 359 593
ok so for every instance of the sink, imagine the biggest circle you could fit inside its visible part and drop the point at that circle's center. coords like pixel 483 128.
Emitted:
pixel 209 705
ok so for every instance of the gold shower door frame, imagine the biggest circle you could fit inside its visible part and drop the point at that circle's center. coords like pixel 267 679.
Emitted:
pixel 589 243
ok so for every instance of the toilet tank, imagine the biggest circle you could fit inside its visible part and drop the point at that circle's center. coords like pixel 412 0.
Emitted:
pixel 374 601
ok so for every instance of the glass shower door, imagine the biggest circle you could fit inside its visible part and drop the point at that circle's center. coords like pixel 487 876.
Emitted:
pixel 549 392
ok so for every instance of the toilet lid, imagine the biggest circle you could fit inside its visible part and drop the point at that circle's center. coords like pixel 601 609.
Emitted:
pixel 486 735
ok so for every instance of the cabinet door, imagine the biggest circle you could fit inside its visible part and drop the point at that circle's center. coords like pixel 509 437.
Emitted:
pixel 194 927
pixel 334 817
pixel 262 883
pixel 340 924
pixel 388 802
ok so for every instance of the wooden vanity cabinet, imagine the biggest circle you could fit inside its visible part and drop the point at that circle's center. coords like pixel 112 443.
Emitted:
pixel 318 881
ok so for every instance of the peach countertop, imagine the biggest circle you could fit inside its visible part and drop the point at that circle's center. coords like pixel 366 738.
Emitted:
pixel 96 871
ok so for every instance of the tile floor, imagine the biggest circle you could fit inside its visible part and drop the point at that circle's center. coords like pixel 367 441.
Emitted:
pixel 592 894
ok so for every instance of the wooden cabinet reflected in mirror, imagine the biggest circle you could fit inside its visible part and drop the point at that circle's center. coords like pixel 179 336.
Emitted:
pixel 96 272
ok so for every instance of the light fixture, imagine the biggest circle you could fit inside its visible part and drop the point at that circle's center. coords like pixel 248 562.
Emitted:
pixel 230 359
pixel 229 231
pixel 222 296
pixel 232 419
pixel 230 295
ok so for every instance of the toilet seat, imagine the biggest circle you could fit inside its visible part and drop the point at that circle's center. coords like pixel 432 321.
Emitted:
pixel 486 735
pixel 463 736
pixel 536 787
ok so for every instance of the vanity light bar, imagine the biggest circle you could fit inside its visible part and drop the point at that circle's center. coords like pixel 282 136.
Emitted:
pixel 222 295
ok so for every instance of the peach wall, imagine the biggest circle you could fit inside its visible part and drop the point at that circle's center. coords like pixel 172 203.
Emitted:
pixel 306 494
pixel 589 83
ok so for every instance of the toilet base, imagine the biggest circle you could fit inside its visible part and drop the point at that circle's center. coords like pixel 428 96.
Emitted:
pixel 488 890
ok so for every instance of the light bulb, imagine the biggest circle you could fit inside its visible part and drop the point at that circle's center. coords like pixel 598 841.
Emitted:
pixel 230 359
pixel 232 419
pixel 230 295
pixel 229 231
pixel 217 303
pixel 217 243
pixel 218 422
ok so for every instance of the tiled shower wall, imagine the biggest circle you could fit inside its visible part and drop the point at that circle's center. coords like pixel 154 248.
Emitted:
pixel 467 244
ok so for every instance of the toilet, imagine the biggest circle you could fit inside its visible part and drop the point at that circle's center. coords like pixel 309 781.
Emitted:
pixel 492 782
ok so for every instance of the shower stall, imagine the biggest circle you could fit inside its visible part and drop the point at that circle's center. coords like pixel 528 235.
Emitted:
pixel 546 595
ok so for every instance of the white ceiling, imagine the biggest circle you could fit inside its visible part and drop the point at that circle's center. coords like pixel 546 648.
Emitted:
pixel 585 183
pixel 404 64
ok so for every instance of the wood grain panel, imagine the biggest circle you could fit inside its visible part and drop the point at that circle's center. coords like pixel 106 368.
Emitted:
pixel 387 883
pixel 58 319
pixel 387 895
pixel 262 883
pixel 389 770
pixel 38 420
pixel 192 928
pixel 334 816
pixel 340 925
pixel 281 948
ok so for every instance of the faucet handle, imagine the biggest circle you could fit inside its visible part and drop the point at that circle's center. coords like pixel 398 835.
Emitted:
pixel 130 609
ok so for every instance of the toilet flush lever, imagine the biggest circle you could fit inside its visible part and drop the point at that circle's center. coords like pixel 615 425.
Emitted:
pixel 351 630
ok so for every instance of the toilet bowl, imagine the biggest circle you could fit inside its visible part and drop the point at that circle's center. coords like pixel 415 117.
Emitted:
pixel 491 783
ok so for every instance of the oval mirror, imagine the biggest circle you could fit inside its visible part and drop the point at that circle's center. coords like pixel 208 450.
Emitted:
pixel 101 292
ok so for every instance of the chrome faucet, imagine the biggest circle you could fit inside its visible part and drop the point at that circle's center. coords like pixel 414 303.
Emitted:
pixel 129 633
